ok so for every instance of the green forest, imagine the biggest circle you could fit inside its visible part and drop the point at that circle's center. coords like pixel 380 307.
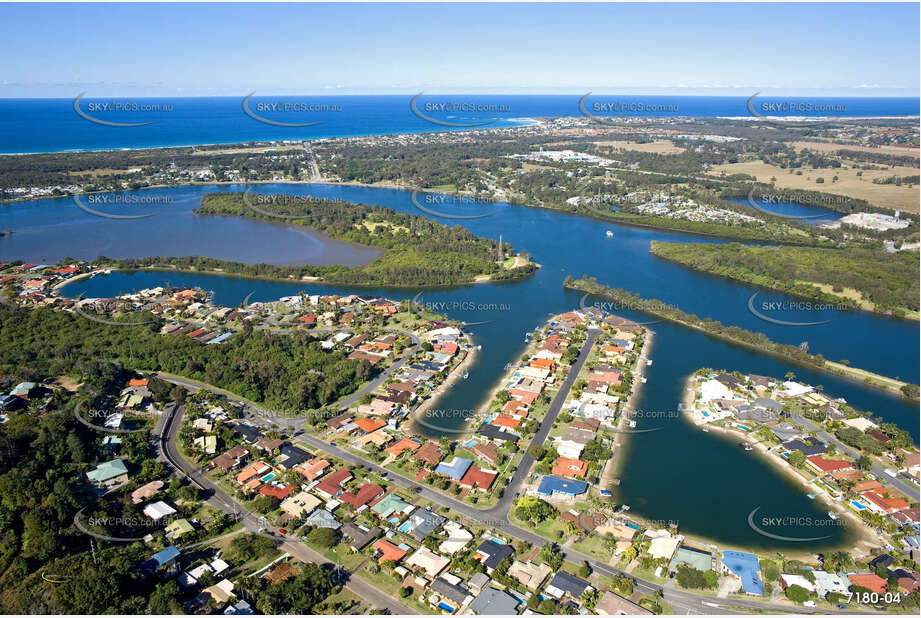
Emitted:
pixel 287 372
pixel 887 280
pixel 417 251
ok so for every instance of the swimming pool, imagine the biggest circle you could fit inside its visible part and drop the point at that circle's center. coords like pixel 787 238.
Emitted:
pixel 858 505
pixel 470 443
pixel 405 527
pixel 268 477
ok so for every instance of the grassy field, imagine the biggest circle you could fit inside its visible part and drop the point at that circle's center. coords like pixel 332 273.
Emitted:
pixel 834 146
pixel 594 546
pixel 664 147
pixel 848 184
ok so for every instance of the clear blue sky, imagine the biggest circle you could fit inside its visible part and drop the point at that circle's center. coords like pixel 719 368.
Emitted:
pixel 232 49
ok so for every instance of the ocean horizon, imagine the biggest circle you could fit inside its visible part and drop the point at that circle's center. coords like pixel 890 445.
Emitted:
pixel 46 125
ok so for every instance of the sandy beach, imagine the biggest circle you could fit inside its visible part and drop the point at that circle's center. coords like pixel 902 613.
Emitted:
pixel 452 378
pixel 615 464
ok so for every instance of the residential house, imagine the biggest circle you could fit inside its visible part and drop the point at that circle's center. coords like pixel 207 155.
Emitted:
pixel 158 510
pixel 492 602
pixel 388 551
pixel 478 479
pixel 109 473
pixel 423 522
pixel 366 493
pixel 321 518
pixel 331 484
pixel 455 469
pixel 873 582
pixel 555 486
pixel 300 503
pixel 490 553
pixel 529 574
pixel 822 466
pixel 612 605
pixel 360 537
pixel 746 568
pixel 427 560
pixel 565 585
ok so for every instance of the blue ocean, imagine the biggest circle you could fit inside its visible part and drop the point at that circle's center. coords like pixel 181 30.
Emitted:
pixel 53 125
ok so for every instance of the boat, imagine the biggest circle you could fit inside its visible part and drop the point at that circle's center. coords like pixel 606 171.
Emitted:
pixel 745 445
pixel 832 515
pixel 648 363
pixel 107 272
pixel 466 375
pixel 609 234
pixel 643 380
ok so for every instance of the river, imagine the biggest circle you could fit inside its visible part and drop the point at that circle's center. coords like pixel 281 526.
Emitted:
pixel 676 473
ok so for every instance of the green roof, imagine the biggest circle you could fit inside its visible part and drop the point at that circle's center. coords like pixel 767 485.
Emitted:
pixel 389 504
pixel 106 471
pixel 694 558
pixel 180 527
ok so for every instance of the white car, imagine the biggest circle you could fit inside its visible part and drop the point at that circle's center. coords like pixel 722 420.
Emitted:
pixel 891 472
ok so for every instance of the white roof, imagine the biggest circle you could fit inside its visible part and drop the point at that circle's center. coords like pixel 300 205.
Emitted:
pixel 797 580
pixel 713 389
pixel 158 510
pixel 830 582
pixel 458 537
pixel 860 423
pixel 432 563
pixel 795 389
pixel 663 547
pixel 219 566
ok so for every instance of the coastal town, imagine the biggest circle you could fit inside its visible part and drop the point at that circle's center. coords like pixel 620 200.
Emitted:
pixel 511 510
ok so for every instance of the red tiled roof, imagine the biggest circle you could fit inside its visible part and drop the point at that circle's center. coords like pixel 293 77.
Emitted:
pixel 478 477
pixel 365 494
pixel 388 551
pixel 368 425
pixel 404 444
pixel 869 580
pixel 277 492
pixel 827 465
pixel 331 482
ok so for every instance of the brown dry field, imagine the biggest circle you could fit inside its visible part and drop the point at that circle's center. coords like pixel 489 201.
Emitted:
pixel 658 146
pixel 849 184
pixel 833 146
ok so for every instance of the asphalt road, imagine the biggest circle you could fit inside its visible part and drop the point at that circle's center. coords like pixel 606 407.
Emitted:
pixel 166 442
pixel 877 469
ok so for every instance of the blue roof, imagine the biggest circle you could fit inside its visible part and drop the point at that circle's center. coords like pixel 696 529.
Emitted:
pixel 556 485
pixel 455 469
pixel 745 566
pixel 166 556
